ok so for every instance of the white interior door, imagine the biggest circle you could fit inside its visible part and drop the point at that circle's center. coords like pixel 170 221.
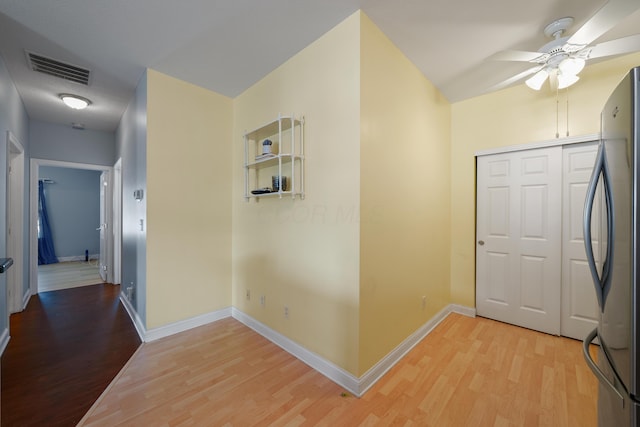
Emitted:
pixel 579 312
pixel 105 208
pixel 518 268
pixel 116 221
pixel 15 226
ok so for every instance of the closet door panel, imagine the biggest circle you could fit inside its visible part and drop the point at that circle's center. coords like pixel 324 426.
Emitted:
pixel 498 206
pixel 518 222
pixel 579 308
pixel 498 277
pixel 531 283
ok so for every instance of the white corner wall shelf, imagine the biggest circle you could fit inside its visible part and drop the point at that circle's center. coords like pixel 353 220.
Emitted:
pixel 274 155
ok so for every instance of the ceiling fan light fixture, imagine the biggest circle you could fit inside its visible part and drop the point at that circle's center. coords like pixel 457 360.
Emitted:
pixel 571 66
pixel 566 80
pixel 74 101
pixel 537 80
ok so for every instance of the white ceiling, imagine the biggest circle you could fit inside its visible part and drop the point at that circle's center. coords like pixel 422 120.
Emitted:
pixel 228 45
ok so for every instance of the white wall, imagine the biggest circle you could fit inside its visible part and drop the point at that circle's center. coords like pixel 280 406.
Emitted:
pixel 131 147
pixel 13 117
pixel 58 142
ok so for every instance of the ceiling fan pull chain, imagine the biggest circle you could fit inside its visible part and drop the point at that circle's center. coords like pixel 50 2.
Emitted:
pixel 567 111
pixel 557 119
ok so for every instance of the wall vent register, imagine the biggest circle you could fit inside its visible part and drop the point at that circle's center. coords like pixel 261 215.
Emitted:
pixel 55 68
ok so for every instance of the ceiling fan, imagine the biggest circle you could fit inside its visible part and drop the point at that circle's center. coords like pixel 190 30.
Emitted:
pixel 563 58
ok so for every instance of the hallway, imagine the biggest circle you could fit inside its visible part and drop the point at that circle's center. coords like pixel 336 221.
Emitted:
pixel 70 274
pixel 65 348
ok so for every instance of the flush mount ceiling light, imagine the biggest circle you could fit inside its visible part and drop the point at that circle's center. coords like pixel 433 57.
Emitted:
pixel 74 101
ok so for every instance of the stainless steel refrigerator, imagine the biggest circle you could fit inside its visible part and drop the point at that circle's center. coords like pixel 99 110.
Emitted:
pixel 612 244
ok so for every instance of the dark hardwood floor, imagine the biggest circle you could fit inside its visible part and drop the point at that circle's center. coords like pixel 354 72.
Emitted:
pixel 65 348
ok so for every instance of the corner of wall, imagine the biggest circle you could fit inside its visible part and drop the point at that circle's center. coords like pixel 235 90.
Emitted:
pixel 131 141
pixel 304 253
pixel 405 169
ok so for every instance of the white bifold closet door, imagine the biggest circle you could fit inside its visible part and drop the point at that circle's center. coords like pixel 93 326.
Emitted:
pixel 531 267
pixel 519 231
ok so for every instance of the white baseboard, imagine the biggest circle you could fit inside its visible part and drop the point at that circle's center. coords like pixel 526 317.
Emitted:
pixel 25 299
pixel 378 370
pixel 464 310
pixel 133 314
pixel 325 367
pixel 185 325
pixel 355 385
pixel 77 258
pixel 4 340
pixel 172 328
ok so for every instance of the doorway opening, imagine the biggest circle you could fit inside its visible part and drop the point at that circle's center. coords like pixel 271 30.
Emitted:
pixel 102 256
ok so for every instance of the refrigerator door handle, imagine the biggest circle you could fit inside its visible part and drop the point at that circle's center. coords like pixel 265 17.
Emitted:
pixel 611 231
pixel 586 223
pixel 595 369
pixel 602 282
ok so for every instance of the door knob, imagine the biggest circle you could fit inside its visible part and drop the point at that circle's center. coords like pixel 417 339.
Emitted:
pixel 481 242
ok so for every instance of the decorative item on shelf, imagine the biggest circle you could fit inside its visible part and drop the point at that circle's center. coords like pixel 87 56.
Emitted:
pixel 266 151
pixel 265 190
pixel 266 146
pixel 276 180
pixel 264 156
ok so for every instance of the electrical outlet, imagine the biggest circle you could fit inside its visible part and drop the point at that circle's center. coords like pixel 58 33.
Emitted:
pixel 424 301
pixel 263 300
pixel 286 312
pixel 248 295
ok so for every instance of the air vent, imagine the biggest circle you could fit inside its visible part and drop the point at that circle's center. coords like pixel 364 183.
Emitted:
pixel 49 66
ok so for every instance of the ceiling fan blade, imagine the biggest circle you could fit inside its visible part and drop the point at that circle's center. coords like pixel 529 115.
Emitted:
pixel 515 55
pixel 605 19
pixel 616 47
pixel 508 82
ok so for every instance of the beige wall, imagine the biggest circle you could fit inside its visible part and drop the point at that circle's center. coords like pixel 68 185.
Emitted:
pixel 305 253
pixel 514 116
pixel 188 200
pixel 405 197
pixel 389 212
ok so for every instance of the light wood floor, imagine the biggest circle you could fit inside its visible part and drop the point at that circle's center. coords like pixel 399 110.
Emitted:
pixel 467 372
pixel 66 275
